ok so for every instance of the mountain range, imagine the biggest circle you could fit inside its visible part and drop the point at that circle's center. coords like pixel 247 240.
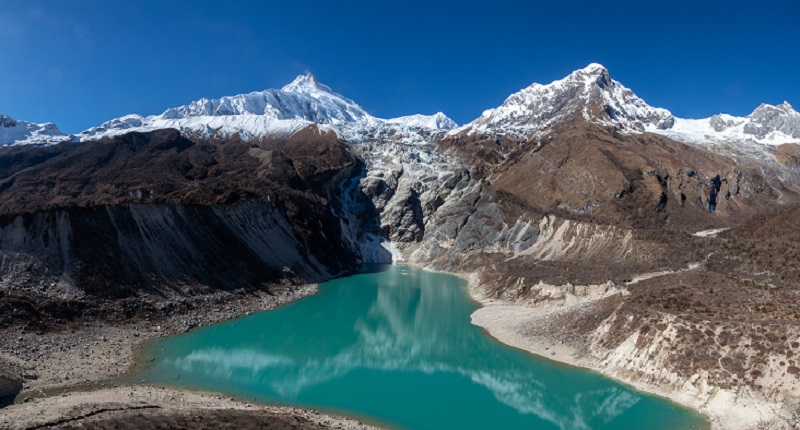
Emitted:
pixel 589 92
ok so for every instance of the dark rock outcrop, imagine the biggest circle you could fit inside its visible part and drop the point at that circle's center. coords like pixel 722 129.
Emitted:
pixel 159 213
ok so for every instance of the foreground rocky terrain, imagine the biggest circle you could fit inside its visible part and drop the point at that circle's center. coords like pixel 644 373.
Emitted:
pixel 597 232
pixel 142 407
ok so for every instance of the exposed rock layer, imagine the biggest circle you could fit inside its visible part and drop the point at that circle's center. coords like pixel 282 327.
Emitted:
pixel 157 213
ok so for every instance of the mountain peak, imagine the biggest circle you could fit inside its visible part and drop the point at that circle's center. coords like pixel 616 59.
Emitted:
pixel 767 119
pixel 589 92
pixel 783 109
pixel 593 73
pixel 306 84
pixel 7 121
pixel 259 113
pixel 593 70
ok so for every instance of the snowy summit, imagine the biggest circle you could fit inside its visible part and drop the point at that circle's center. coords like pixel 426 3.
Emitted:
pixel 270 112
pixel 589 92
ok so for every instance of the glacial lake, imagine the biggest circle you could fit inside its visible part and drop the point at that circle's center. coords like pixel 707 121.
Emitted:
pixel 396 347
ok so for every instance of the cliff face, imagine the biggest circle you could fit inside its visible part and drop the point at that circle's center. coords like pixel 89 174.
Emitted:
pixel 168 213
pixel 161 215
pixel 114 251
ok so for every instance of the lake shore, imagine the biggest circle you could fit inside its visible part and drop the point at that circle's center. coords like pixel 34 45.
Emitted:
pixel 153 407
pixel 71 373
pixel 79 365
pixel 511 324
pixel 90 353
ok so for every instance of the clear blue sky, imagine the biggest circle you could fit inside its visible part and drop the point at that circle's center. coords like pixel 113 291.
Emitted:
pixel 78 63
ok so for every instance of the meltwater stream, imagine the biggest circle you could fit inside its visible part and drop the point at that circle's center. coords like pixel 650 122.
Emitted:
pixel 396 347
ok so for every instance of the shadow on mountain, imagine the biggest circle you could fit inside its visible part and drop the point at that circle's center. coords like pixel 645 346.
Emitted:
pixel 165 214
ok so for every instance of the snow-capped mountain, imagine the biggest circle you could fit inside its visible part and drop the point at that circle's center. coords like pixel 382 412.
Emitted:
pixel 589 92
pixel 304 99
pixel 272 112
pixel 23 132
pixel 767 125
pixel 259 113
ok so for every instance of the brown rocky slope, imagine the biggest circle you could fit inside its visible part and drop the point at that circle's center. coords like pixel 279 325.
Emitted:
pixel 162 215
pixel 596 226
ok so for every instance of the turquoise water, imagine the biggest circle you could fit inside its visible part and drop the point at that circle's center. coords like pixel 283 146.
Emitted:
pixel 396 347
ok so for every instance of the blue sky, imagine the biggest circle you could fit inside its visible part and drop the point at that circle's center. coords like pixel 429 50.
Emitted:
pixel 78 63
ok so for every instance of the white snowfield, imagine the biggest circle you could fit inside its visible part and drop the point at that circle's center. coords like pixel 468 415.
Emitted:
pixel 13 131
pixel 589 92
pixel 767 125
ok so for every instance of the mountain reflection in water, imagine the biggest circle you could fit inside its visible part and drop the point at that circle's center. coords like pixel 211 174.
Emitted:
pixel 397 346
